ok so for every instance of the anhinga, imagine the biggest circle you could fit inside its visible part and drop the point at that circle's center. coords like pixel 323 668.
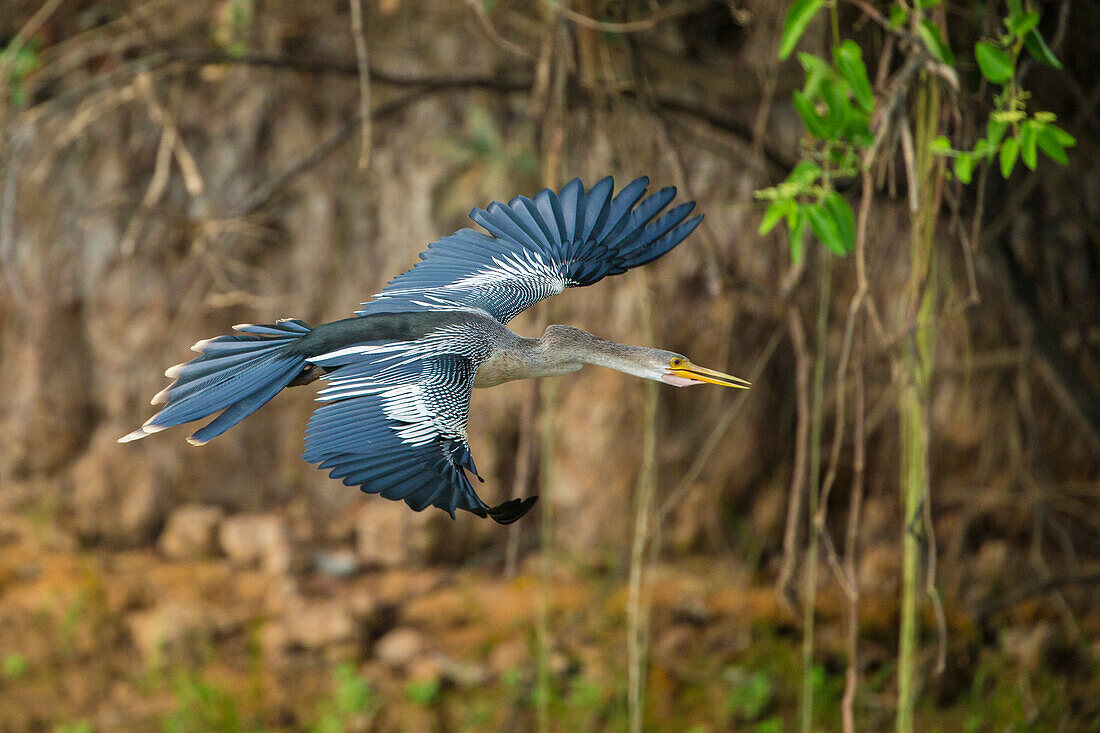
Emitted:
pixel 400 373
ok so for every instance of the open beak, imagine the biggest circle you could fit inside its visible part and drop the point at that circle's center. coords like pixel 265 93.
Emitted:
pixel 697 373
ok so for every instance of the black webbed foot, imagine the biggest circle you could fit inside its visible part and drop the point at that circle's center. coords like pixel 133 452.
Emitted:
pixel 509 511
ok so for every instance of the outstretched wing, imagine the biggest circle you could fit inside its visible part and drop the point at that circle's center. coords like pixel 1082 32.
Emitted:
pixel 395 425
pixel 537 248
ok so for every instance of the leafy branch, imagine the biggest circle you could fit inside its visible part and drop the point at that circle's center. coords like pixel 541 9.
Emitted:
pixel 1012 133
pixel 835 104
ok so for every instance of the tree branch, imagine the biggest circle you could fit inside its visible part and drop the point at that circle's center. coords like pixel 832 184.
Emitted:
pixel 427 83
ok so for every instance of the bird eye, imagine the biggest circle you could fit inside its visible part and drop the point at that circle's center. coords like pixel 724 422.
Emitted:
pixel 676 361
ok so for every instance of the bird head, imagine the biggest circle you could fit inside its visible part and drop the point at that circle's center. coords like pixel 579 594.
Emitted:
pixel 679 371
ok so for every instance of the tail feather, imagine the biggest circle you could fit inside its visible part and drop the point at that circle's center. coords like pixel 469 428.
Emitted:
pixel 218 394
pixel 243 408
pixel 191 400
pixel 206 364
pixel 190 373
pixel 237 374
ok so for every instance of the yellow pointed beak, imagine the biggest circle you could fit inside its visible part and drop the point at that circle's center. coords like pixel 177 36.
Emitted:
pixel 687 370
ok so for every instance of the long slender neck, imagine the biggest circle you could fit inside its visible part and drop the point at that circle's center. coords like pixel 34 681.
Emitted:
pixel 562 349
pixel 566 345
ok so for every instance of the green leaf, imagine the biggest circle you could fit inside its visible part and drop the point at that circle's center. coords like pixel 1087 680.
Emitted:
pixel 838 108
pixel 817 71
pixel 841 213
pixel 940 146
pixel 899 16
pixel 964 167
pixel 849 62
pixel 930 34
pixel 995 131
pixel 775 211
pixel 928 3
pixel 1009 151
pixel 1064 138
pixel 798 17
pixel 1039 49
pixel 1022 23
pixel 996 65
pixel 825 227
pixel 859 129
pixel 1048 142
pixel 806 110
pixel 1029 145
pixel 805 173
pixel 797 224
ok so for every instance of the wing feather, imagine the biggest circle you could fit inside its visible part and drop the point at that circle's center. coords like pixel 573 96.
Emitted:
pixel 572 206
pixel 549 207
pixel 401 432
pixel 595 207
pixel 619 211
pixel 528 211
pixel 534 248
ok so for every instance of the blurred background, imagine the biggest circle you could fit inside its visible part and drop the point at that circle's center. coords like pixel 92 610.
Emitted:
pixel 170 168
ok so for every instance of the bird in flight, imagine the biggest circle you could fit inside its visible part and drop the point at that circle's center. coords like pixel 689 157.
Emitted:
pixel 399 374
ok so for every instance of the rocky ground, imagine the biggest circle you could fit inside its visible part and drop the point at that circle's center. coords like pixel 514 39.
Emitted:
pixel 234 623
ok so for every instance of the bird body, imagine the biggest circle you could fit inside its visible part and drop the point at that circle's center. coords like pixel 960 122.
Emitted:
pixel 400 373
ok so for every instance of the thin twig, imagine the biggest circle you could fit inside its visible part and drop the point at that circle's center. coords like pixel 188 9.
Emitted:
pixel 637 610
pixel 871 12
pixel 912 182
pixel 785 582
pixel 158 183
pixel 192 179
pixel 363 70
pixel 846 581
pixel 525 450
pixel 813 493
pixel 661 15
pixel 494 35
pixel 851 540
pixel 930 554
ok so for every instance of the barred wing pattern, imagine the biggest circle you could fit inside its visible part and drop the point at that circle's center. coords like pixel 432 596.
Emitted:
pixel 538 248
pixel 395 424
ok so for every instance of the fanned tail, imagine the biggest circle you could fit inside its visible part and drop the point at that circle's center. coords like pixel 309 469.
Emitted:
pixel 237 374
